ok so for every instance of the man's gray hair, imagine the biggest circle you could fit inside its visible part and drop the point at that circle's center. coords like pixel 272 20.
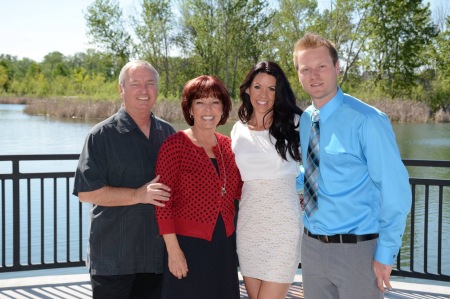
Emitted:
pixel 135 63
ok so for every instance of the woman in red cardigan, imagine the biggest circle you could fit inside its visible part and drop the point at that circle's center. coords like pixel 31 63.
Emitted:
pixel 197 223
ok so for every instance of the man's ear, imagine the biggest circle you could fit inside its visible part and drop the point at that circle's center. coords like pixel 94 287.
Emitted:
pixel 338 68
pixel 121 90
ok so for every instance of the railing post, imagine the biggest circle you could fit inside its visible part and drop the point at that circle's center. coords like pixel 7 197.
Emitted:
pixel 16 212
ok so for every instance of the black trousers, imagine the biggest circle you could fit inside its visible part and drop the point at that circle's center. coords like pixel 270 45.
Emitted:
pixel 132 286
pixel 212 268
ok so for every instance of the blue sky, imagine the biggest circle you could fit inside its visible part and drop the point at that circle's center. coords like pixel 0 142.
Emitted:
pixel 34 28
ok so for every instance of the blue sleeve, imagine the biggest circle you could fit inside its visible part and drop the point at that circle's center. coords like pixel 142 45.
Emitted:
pixel 391 179
pixel 300 181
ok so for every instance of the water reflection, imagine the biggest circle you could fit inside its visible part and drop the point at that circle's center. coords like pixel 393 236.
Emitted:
pixel 25 134
pixel 423 141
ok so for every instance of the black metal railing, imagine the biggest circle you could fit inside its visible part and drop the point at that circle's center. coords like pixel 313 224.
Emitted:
pixel 44 226
pixel 428 223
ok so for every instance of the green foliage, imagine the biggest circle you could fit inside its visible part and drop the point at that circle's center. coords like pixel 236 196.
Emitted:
pixel 440 97
pixel 61 85
pixel 4 78
pixel 106 28
pixel 60 70
pixel 387 49
pixel 442 52
pixel 53 65
pixel 79 77
pixel 399 31
pixel 293 19
pixel 6 72
pixel 228 36
pixel 155 30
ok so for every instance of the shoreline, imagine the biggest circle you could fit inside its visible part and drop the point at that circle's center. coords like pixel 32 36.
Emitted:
pixel 71 107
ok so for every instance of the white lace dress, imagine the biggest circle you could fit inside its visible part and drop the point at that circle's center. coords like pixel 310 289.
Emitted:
pixel 269 227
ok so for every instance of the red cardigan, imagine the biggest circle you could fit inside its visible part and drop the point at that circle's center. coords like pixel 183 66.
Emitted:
pixel 196 198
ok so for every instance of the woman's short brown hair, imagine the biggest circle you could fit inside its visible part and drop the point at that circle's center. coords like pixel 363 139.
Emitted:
pixel 204 87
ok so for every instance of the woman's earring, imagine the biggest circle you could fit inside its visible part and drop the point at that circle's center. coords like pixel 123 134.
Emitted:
pixel 191 116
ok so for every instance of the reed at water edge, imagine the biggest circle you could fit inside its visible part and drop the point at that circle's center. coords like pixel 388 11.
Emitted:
pixel 399 111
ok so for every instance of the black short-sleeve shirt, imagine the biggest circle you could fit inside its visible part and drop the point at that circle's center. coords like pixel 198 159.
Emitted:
pixel 124 239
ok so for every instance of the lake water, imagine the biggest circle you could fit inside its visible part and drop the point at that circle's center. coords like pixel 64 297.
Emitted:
pixel 25 134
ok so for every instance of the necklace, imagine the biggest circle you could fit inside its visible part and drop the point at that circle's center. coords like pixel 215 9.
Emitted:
pixel 224 171
pixel 223 188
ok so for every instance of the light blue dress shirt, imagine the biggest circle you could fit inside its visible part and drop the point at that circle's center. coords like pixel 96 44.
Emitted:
pixel 300 183
pixel 363 184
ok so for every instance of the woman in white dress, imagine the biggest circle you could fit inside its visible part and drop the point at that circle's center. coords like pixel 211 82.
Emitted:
pixel 266 145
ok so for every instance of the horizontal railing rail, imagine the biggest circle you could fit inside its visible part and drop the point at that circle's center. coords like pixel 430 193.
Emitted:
pixel 44 226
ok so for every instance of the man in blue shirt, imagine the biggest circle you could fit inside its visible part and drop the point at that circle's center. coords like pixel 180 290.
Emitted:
pixel 354 228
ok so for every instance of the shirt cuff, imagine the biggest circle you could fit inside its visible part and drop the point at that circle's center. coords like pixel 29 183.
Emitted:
pixel 166 226
pixel 386 255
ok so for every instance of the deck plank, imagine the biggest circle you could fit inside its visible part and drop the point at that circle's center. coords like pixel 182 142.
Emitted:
pixel 78 286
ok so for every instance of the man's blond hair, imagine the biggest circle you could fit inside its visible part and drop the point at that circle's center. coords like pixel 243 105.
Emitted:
pixel 313 41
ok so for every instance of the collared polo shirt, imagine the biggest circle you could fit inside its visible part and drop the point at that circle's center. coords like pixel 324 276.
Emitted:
pixel 124 239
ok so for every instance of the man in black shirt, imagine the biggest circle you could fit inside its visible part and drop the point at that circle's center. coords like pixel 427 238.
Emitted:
pixel 116 174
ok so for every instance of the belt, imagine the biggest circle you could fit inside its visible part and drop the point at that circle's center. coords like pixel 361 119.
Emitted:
pixel 349 238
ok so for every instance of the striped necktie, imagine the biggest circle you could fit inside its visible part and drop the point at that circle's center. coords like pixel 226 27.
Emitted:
pixel 312 167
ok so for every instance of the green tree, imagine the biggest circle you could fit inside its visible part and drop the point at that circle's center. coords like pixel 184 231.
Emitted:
pixel 6 72
pixel 440 95
pixel 14 69
pixel 155 30
pixel 399 31
pixel 343 24
pixel 3 77
pixel 246 37
pixel 53 64
pixel 34 82
pixel 443 51
pixel 224 34
pixel 96 62
pixel 61 86
pixel 20 67
pixel 107 30
pixel 293 19
pixel 79 77
pixel 60 70
pixel 201 34
pixel 253 32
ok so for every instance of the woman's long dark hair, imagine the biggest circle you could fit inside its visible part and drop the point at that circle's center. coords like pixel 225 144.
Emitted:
pixel 283 127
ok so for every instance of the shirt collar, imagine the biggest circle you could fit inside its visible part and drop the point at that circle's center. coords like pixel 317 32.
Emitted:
pixel 329 108
pixel 126 123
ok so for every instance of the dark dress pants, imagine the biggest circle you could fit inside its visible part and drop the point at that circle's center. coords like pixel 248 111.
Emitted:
pixel 133 286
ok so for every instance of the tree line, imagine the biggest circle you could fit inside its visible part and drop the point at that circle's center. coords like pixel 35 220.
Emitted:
pixel 388 49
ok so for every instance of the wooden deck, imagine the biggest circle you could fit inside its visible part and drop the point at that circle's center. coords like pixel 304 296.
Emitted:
pixel 77 286
pixel 83 290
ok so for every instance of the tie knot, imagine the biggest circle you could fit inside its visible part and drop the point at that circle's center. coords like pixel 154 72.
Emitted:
pixel 315 116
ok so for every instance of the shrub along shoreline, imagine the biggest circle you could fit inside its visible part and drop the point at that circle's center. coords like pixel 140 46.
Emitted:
pixel 399 111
